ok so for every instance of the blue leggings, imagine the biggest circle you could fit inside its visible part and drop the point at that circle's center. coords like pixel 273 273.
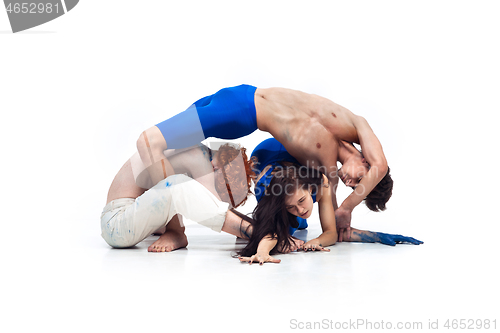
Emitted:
pixel 228 114
pixel 271 152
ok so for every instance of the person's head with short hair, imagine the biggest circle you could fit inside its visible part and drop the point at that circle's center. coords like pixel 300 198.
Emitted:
pixel 378 197
pixel 354 168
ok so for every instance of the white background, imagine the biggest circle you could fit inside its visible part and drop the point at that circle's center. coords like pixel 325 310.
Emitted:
pixel 76 93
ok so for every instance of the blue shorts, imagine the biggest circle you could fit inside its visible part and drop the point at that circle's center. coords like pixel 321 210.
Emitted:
pixel 271 152
pixel 228 114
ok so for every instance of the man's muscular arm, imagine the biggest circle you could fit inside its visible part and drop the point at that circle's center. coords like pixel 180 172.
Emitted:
pixel 374 155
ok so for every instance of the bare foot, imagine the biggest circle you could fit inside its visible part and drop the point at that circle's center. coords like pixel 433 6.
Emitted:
pixel 160 231
pixel 168 242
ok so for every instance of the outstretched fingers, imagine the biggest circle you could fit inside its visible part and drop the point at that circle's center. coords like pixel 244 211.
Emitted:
pixel 314 247
pixel 260 259
pixel 392 240
pixel 340 233
pixel 408 240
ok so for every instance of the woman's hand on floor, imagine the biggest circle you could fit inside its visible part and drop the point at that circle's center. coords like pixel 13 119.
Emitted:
pixel 261 258
pixel 314 245
pixel 295 245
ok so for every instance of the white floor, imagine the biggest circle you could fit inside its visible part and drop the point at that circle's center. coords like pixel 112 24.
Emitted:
pixel 84 285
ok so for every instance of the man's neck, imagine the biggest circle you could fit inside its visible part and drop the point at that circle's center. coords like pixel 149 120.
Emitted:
pixel 345 151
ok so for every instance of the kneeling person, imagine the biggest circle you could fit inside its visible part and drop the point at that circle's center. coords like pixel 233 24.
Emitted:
pixel 133 211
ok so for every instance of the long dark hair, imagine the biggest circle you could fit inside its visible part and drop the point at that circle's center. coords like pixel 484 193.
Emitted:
pixel 271 216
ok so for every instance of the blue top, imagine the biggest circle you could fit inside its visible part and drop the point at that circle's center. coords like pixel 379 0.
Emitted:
pixel 271 152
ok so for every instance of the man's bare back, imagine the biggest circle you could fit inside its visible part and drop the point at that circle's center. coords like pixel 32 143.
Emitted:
pixel 309 126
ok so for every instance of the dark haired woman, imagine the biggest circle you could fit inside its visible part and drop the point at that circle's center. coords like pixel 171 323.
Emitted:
pixel 291 193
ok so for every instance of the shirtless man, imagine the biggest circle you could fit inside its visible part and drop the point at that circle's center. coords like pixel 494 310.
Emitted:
pixel 314 130
pixel 135 208
pixel 318 133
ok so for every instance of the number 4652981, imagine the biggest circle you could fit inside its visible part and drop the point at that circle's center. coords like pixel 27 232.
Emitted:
pixel 32 8
pixel 470 324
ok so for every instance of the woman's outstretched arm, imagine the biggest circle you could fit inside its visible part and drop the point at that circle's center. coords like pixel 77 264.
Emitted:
pixel 265 246
pixel 327 220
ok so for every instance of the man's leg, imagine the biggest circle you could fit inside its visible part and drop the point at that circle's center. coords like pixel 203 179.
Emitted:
pixel 150 146
pixel 172 237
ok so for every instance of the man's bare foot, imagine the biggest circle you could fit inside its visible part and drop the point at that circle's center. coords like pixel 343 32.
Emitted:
pixel 169 241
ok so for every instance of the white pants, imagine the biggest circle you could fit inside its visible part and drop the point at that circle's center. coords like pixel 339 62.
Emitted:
pixel 125 222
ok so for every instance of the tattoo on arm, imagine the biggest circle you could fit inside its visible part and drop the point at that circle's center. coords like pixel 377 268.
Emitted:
pixel 367 236
pixel 244 232
pixel 247 232
pixel 287 135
